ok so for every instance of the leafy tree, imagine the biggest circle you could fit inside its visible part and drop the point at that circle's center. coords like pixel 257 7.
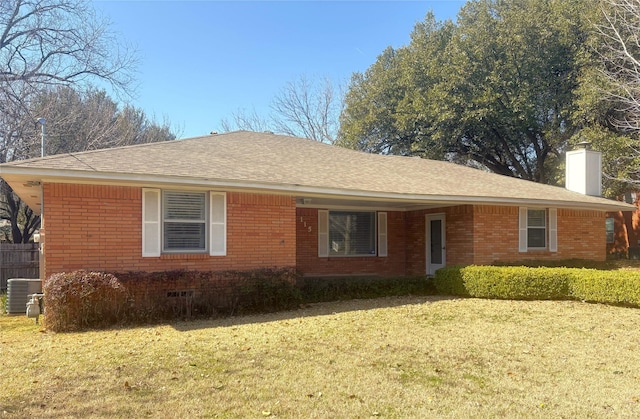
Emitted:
pixel 496 89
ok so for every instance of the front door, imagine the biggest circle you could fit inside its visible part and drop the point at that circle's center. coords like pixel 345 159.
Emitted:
pixel 436 248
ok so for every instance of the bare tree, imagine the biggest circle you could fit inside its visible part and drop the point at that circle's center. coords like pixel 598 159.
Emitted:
pixel 76 121
pixel 620 49
pixel 243 119
pixel 303 108
pixel 309 109
pixel 51 42
pixel 91 119
pixel 43 44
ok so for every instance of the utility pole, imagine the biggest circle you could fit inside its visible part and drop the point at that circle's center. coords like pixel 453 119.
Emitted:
pixel 43 134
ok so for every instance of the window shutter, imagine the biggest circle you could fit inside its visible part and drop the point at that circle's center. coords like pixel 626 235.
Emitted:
pixel 151 222
pixel 522 247
pixel 218 227
pixel 553 230
pixel 323 233
pixel 382 234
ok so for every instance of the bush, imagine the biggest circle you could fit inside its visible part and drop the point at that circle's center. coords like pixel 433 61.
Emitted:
pixel 318 289
pixel 260 293
pixel 185 294
pixel 449 281
pixel 611 287
pixel 517 283
pixel 526 283
pixel 80 300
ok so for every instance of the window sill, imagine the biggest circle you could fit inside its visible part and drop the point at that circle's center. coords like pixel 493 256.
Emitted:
pixel 351 256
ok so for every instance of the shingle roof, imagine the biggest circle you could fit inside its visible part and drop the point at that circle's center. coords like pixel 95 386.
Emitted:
pixel 275 162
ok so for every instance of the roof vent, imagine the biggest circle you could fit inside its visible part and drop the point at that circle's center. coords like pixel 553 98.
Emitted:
pixel 584 170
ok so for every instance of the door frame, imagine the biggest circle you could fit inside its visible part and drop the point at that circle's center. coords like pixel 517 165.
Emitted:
pixel 430 267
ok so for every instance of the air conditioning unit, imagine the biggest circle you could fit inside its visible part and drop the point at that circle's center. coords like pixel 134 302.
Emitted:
pixel 18 291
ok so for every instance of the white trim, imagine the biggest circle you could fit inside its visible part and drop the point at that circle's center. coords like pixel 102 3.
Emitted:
pixel 431 268
pixel 72 176
pixel 553 229
pixel 218 224
pixel 382 234
pixel 323 233
pixel 151 228
pixel 522 228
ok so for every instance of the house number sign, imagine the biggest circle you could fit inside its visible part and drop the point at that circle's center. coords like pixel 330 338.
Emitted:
pixel 305 224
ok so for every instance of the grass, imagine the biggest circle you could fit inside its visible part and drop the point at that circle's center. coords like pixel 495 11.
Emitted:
pixel 390 357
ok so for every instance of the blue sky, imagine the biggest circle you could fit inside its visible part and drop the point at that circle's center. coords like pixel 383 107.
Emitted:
pixel 200 61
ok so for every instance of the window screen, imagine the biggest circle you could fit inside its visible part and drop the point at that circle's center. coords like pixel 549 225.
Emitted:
pixel 536 228
pixel 610 227
pixel 184 221
pixel 352 233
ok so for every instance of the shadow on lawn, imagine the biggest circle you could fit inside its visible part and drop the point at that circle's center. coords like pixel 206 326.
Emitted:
pixel 309 310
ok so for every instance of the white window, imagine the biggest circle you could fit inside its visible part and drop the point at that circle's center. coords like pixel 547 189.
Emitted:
pixel 352 233
pixel 183 222
pixel 538 229
pixel 610 228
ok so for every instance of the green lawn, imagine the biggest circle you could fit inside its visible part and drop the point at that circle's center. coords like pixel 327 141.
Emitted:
pixel 389 357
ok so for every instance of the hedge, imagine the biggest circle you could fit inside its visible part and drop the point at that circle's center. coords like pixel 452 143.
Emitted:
pixel 319 289
pixel 526 283
pixel 611 287
pixel 84 300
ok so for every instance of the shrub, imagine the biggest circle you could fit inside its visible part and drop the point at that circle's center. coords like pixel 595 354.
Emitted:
pixel 318 289
pixel 185 294
pixel 449 281
pixel 517 282
pixel 80 300
pixel 562 263
pixel 258 292
pixel 527 283
pixel 611 287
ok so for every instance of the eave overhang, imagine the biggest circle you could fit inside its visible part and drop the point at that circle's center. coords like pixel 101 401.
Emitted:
pixel 26 182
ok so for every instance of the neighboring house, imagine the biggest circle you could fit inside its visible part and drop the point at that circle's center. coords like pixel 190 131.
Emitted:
pixel 243 200
pixel 623 229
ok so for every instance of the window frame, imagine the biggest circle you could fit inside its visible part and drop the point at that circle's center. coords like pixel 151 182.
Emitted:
pixel 153 227
pixel 544 227
pixel 551 227
pixel 612 232
pixel 164 221
pixel 379 233
pixel 372 234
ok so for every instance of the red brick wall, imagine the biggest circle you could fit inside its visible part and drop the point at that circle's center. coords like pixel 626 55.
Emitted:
pixel 458 232
pixel 581 235
pixel 97 227
pixel 626 229
pixel 475 234
pixel 310 264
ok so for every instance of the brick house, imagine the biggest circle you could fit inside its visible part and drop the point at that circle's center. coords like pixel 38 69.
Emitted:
pixel 243 200
pixel 623 229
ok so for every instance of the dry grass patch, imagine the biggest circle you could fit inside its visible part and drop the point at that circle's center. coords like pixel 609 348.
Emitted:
pixel 390 357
